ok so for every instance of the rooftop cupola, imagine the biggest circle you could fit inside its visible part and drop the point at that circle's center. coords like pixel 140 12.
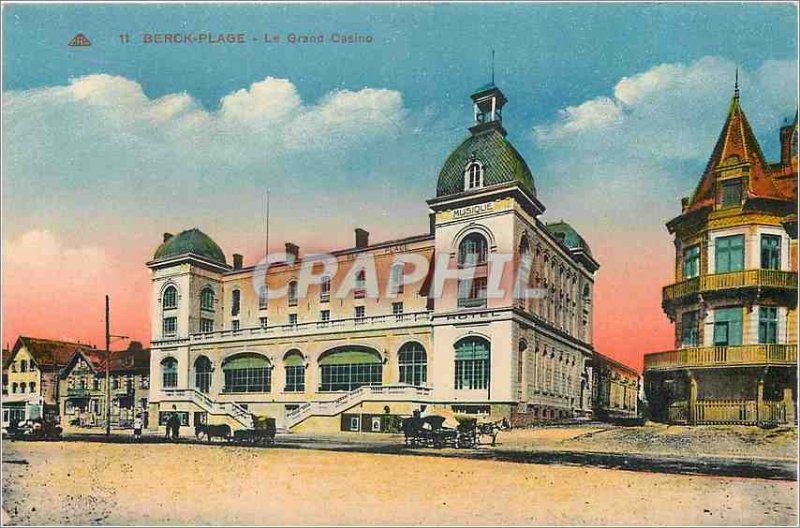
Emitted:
pixel 488 101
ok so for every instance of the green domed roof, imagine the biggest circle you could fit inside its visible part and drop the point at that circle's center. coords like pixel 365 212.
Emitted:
pixel 568 236
pixel 501 163
pixel 190 241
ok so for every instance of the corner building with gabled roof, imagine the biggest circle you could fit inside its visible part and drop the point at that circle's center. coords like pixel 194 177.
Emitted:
pixel 223 349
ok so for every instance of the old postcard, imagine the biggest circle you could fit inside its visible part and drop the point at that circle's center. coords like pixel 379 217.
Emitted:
pixel 463 264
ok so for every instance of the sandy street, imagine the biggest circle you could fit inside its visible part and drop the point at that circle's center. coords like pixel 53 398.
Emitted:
pixel 96 483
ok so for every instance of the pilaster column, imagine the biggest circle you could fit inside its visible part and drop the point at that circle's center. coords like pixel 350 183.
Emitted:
pixel 759 398
pixel 788 405
pixel 692 398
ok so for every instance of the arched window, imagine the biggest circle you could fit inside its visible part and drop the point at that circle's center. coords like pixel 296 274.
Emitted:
pixel 202 374
pixel 14 387
pixel 292 293
pixel 22 387
pixel 473 175
pixel 413 363
pixel 23 366
pixel 169 299
pixel 169 373
pixel 473 250
pixel 523 346
pixel 472 363
pixel 236 302
pixel 262 297
pixel 295 369
pixel 207 299
pixel 347 368
pixel 247 373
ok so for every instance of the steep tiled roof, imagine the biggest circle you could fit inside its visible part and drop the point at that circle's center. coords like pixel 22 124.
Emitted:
pixel 134 358
pixel 736 144
pixel 48 353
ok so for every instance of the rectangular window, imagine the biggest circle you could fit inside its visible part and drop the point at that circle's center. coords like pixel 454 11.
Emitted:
pixel 262 297
pixel 731 193
pixel 349 376
pixel 247 379
pixel 236 299
pixel 292 294
pixel 770 252
pixel 396 278
pixel 729 254
pixel 295 379
pixel 293 319
pixel 170 326
pixel 767 324
pixel 472 293
pixel 206 325
pixel 360 311
pixel 689 329
pixel 361 284
pixel 728 326
pixel 325 315
pixel 263 322
pixel 235 325
pixel 691 262
pixel 397 308
pixel 472 373
pixel 325 289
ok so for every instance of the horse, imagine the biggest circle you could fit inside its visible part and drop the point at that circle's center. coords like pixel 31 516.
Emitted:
pixel 220 431
pixel 492 428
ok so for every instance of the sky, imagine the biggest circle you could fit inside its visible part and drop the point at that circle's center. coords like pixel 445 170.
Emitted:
pixel 615 107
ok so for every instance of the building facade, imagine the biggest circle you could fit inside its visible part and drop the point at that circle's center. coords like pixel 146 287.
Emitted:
pixel 223 347
pixel 615 389
pixel 82 387
pixel 734 299
pixel 31 389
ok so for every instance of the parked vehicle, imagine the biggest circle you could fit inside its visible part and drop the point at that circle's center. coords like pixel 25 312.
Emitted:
pixel 36 429
pixel 262 433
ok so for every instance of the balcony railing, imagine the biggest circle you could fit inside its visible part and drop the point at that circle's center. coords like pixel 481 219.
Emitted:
pixel 731 281
pixel 722 356
pixel 742 412
pixel 312 327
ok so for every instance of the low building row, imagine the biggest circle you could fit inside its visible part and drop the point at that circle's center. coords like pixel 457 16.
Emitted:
pixel 65 381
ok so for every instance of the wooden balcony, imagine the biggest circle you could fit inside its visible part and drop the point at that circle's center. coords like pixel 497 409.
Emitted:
pixel 735 280
pixel 722 356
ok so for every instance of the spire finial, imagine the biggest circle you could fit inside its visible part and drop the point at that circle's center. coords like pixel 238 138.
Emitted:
pixel 736 85
pixel 492 66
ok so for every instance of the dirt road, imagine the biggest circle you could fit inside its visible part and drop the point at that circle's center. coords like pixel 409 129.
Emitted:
pixel 95 483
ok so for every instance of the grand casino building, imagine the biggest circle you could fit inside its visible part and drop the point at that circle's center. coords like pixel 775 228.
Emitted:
pixel 223 348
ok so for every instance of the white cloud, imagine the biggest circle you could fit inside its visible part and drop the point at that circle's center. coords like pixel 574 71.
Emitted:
pixel 622 162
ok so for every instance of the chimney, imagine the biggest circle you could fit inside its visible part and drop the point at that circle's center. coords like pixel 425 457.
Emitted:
pixel 684 203
pixel 432 222
pixel 786 144
pixel 292 251
pixel 362 238
pixel 237 261
pixel 167 236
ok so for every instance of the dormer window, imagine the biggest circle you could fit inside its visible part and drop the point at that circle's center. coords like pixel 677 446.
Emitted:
pixel 730 193
pixel 473 175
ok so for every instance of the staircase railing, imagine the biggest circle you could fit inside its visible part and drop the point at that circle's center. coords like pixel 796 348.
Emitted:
pixel 205 402
pixel 355 396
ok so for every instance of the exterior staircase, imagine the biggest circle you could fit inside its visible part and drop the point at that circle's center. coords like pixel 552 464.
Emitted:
pixel 230 409
pixel 354 397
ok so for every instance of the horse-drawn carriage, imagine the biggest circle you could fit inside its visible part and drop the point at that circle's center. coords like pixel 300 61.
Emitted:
pixel 430 431
pixel 262 433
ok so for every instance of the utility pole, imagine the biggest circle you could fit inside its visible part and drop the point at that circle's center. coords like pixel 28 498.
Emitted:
pixel 108 367
pixel 108 371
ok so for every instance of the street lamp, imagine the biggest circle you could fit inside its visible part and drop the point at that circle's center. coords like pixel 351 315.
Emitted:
pixel 108 368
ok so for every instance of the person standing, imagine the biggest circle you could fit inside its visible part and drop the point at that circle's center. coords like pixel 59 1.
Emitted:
pixel 137 427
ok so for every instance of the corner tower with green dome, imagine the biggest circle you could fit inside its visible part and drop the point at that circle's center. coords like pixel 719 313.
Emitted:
pixel 527 356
